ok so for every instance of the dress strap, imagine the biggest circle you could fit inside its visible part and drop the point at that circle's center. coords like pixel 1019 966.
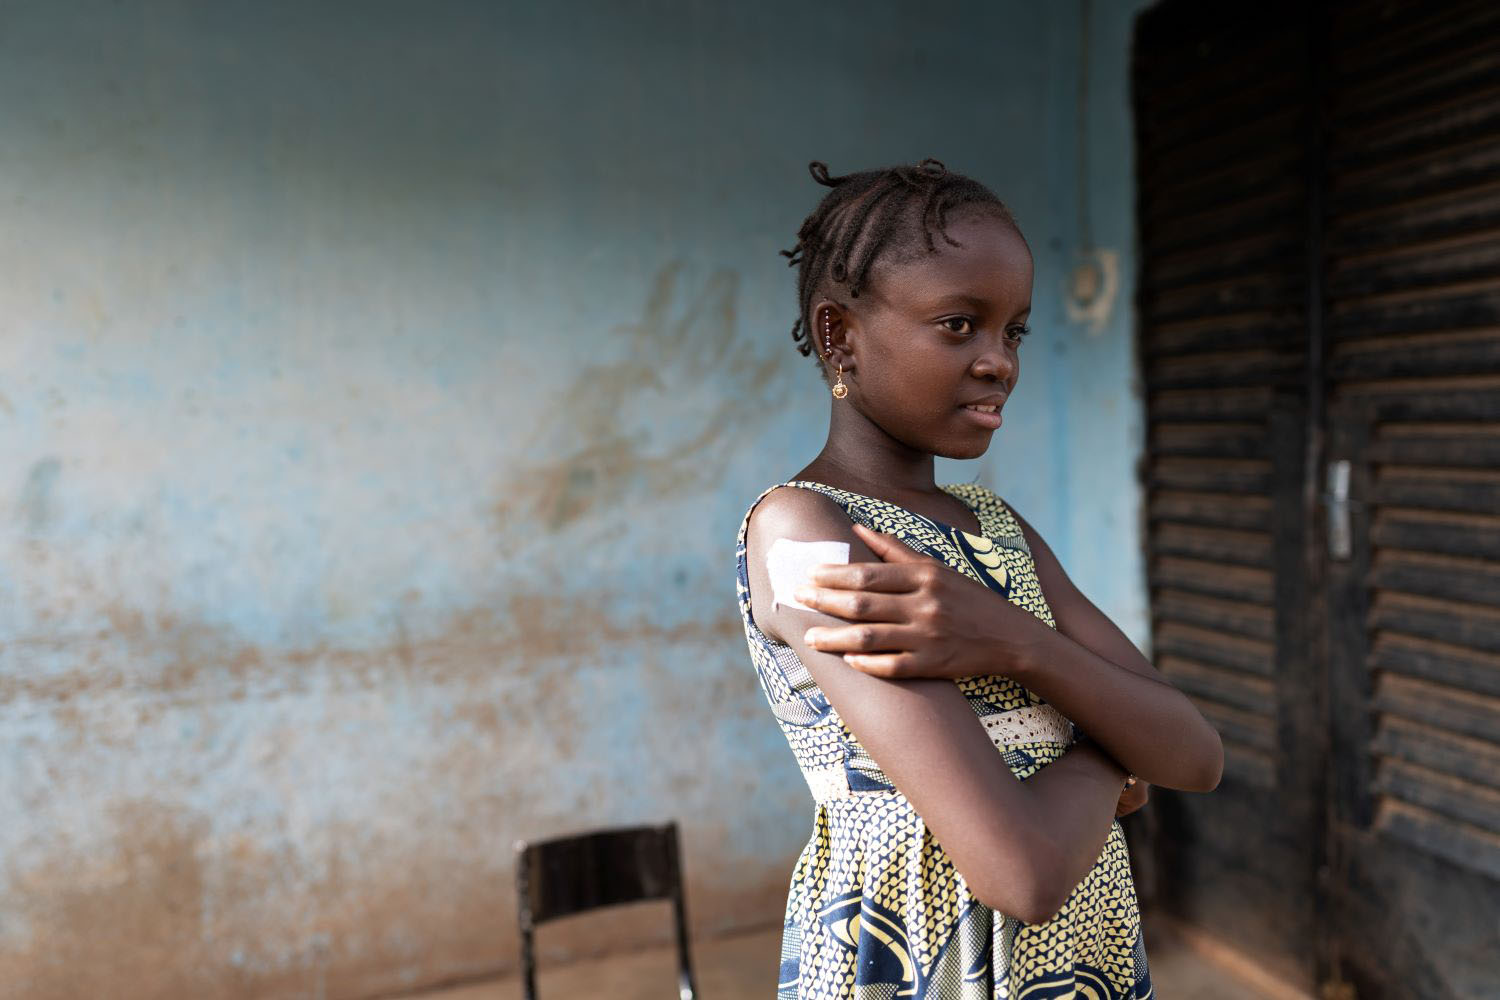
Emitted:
pixel 996 521
pixel 919 533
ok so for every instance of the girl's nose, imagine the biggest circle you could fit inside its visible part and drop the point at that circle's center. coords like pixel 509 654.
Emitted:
pixel 995 366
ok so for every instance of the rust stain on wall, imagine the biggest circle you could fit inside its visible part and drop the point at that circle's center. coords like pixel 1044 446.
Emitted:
pixel 684 344
pixel 141 906
pixel 522 633
pixel 151 918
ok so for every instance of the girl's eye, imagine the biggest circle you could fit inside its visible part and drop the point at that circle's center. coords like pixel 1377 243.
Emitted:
pixel 957 324
pixel 1017 332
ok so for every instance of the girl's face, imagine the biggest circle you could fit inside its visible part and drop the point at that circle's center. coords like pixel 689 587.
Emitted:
pixel 939 335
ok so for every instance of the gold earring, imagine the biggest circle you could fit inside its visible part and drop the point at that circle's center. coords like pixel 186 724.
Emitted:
pixel 840 390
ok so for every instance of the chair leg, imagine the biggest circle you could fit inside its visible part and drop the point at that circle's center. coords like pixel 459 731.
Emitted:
pixel 528 966
pixel 686 988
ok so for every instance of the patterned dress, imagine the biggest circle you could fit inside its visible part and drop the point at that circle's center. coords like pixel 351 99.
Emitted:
pixel 876 909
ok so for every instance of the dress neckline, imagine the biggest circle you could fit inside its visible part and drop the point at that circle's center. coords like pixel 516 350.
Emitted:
pixel 979 516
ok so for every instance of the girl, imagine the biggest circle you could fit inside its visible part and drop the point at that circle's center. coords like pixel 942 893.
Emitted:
pixel 950 655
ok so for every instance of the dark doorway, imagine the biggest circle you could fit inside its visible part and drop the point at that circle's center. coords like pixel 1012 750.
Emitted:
pixel 1319 298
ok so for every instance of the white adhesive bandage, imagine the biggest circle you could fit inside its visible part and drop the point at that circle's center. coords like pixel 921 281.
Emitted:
pixel 788 563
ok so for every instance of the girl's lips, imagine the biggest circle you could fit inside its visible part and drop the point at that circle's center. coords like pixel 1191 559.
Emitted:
pixel 989 417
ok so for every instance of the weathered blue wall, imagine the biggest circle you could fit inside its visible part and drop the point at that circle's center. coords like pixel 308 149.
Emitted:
pixel 381 386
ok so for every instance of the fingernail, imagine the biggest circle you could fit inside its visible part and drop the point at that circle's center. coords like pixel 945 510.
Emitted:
pixel 810 637
pixel 803 594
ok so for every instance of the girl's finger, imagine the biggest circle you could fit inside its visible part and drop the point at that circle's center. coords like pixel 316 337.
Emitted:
pixel 860 638
pixel 889 578
pixel 891 666
pixel 1132 798
pixel 856 605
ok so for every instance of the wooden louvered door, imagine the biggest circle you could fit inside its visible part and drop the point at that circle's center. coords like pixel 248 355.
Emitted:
pixel 1411 254
pixel 1319 315
pixel 1222 118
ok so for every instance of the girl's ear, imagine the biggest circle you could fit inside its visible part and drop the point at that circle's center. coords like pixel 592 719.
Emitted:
pixel 831 326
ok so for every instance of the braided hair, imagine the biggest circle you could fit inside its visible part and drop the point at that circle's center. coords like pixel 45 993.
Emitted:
pixel 871 214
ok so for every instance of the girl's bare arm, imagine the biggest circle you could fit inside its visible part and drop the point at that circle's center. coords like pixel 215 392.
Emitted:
pixel 1092 673
pixel 911 617
pixel 1021 846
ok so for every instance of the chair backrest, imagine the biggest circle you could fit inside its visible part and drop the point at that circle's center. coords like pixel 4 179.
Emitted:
pixel 567 875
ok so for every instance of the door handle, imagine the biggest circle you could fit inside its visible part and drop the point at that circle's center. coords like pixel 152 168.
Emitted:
pixel 1336 499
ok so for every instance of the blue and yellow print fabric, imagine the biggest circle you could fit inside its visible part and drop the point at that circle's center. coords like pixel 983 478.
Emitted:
pixel 876 911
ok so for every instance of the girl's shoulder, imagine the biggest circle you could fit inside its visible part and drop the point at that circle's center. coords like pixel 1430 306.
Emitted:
pixel 779 511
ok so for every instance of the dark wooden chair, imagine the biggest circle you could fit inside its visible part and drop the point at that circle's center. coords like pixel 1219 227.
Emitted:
pixel 566 875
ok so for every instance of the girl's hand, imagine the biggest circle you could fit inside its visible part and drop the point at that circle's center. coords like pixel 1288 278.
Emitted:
pixel 1132 798
pixel 915 616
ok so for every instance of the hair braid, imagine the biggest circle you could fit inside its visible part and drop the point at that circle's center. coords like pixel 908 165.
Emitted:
pixel 867 215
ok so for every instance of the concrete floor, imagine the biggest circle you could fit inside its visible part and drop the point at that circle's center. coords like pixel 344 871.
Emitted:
pixel 743 967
